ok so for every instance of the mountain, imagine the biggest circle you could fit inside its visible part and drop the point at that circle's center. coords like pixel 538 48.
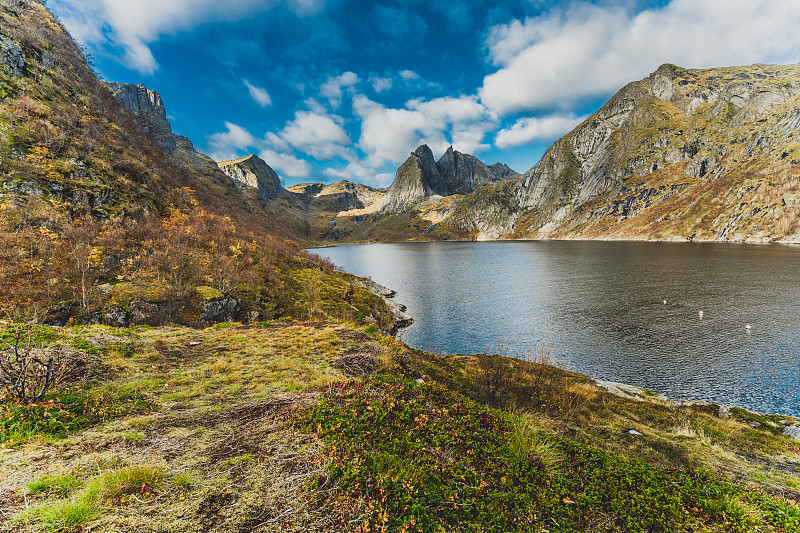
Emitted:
pixel 252 171
pixel 420 177
pixel 107 216
pixel 684 154
pixel 707 154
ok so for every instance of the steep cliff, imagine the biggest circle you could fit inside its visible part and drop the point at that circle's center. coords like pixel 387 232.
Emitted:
pixel 682 154
pixel 252 171
pixel 421 177
pixel 148 111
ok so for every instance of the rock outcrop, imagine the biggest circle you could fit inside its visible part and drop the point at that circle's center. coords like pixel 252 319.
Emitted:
pixel 335 198
pixel 148 111
pixel 421 177
pixel 252 171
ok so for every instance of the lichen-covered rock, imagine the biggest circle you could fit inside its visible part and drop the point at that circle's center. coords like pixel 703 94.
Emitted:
pixel 12 60
pixel 222 310
pixel 792 432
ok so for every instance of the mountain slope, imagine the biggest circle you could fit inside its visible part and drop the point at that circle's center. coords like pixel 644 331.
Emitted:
pixel 107 216
pixel 252 171
pixel 684 154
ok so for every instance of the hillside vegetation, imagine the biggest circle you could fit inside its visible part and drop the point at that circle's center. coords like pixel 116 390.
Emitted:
pixel 332 427
pixel 98 224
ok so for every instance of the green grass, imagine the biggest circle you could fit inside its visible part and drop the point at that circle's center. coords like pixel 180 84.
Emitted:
pixel 65 515
pixel 125 480
pixel 425 458
pixel 64 413
pixel 55 484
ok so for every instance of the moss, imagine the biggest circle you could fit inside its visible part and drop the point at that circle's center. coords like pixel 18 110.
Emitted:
pixel 208 293
pixel 124 294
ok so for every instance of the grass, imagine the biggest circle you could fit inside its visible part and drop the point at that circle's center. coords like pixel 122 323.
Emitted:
pixel 55 484
pixel 424 458
pixel 65 515
pixel 234 420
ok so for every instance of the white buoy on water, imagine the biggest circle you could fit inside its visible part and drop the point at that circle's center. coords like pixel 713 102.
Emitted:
pixel 748 326
pixel 665 302
pixel 700 314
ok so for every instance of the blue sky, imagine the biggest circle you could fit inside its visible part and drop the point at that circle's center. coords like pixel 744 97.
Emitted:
pixel 344 89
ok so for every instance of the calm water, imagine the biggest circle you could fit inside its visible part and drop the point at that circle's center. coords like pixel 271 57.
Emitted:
pixel 601 307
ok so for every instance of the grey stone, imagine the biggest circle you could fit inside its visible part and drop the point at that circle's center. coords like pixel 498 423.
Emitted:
pixel 222 310
pixel 252 171
pixel 792 432
pixel 148 111
pixel 12 60
pixel 117 316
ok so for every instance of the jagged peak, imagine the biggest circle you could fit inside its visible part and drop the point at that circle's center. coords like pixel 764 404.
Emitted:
pixel 423 150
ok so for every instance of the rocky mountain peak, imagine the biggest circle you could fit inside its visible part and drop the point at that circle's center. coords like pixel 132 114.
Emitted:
pixel 422 176
pixel 252 171
pixel 148 111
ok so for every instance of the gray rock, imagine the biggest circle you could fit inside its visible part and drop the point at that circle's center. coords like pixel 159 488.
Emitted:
pixel 634 432
pixel 400 317
pixel 117 316
pixel 222 310
pixel 252 171
pixel 148 111
pixel 421 177
pixel 12 60
pixel 792 432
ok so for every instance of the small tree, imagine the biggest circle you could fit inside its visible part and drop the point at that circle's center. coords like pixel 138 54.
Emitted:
pixel 28 372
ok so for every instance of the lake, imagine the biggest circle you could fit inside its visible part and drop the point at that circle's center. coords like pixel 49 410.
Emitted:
pixel 601 307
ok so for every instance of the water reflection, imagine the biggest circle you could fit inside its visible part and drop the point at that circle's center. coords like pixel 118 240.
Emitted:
pixel 601 306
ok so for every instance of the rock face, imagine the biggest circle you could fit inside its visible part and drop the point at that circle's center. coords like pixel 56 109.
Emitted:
pixel 334 198
pixel 12 60
pixel 252 171
pixel 421 177
pixel 678 144
pixel 148 110
pixel 684 154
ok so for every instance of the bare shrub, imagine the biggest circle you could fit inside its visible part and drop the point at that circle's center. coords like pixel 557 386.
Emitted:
pixel 28 371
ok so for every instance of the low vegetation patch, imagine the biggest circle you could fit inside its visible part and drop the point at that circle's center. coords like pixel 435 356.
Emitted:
pixel 420 457
pixel 332 427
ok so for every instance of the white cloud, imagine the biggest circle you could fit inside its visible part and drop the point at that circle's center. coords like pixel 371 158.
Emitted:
pixel 528 129
pixel 583 51
pixel 132 25
pixel 389 135
pixel 317 135
pixel 285 164
pixel 358 172
pixel 381 84
pixel 261 96
pixel 226 145
pixel 332 89
pixel 408 75
pixel 450 109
